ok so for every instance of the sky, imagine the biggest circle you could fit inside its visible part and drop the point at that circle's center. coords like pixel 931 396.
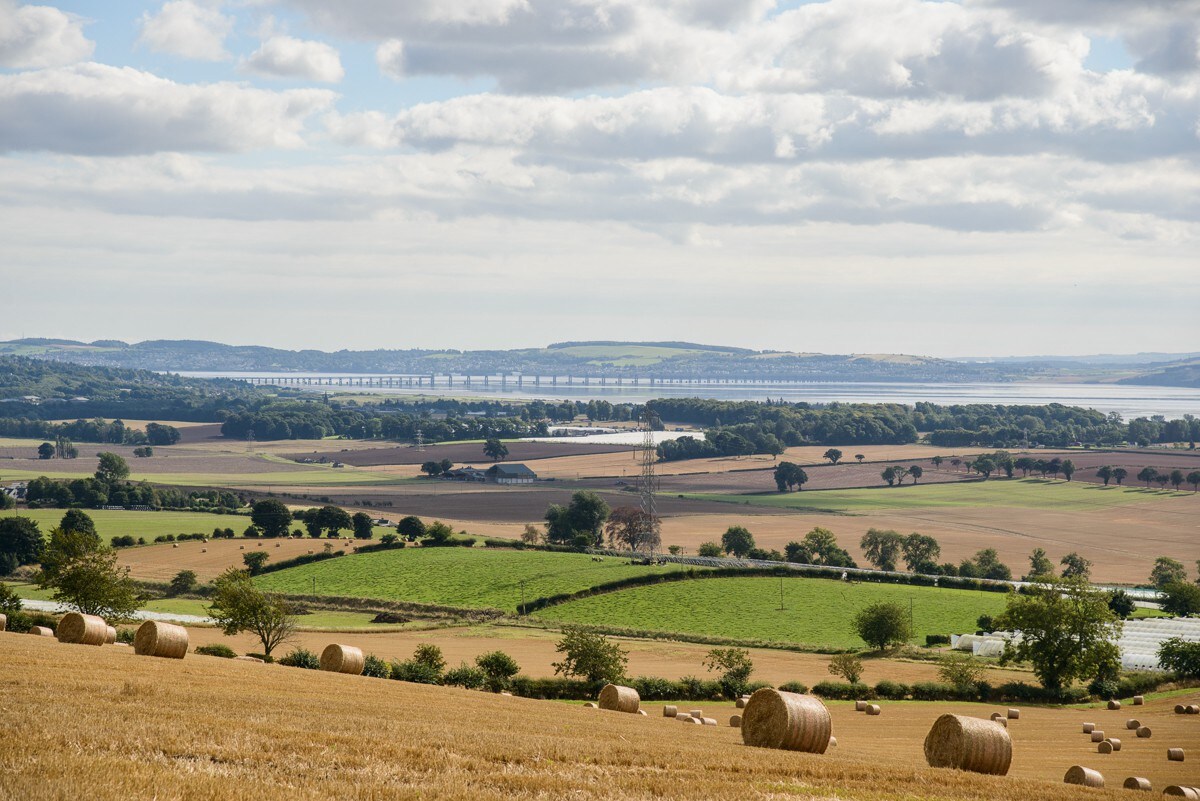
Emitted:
pixel 985 177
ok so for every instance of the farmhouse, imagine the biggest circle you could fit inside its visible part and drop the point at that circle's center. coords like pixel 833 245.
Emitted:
pixel 467 473
pixel 511 474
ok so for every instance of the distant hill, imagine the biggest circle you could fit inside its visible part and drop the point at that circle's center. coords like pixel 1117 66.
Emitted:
pixel 1184 374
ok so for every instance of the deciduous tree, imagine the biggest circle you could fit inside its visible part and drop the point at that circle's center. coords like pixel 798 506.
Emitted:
pixel 237 606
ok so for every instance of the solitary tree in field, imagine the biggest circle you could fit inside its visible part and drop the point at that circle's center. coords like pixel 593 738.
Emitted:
pixel 1119 474
pixel 833 455
pixel 735 667
pixel 45 451
pixel 1040 566
pixel 1105 474
pixel 237 606
pixel 789 475
pixel 846 666
pixel 1075 566
pixel 916 472
pixel 1068 469
pixel 111 469
pixel 955 463
pixel 859 457
pixel 494 449
pixel 882 625
pixel 737 540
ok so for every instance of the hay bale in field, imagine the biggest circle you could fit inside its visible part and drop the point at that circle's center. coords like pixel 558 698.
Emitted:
pixel 682 715
pixel 832 741
pixel 1097 736
pixel 342 659
pixel 1174 754
pixel 1192 709
pixel 1180 709
pixel 80 629
pixel 995 716
pixel 1088 728
pixel 695 721
pixel 642 712
pixel 741 703
pixel 735 721
pixel 1139 700
pixel 709 721
pixel 155 638
pixel 3 622
pixel 277 545
pixel 1182 791
pixel 1114 742
pixel 794 722
pixel 248 659
pixel 1014 714
pixel 203 550
pixel 1114 704
pixel 1001 721
pixel 670 711
pixel 860 706
pixel 971 744
pixel 1077 774
pixel 590 705
pixel 241 547
pixel 1105 748
pixel 1143 733
pixel 696 713
pixel 619 699
pixel 40 631
pixel 1133 724
pixel 502 692
pixel 873 709
pixel 1137 783
pixel 110 636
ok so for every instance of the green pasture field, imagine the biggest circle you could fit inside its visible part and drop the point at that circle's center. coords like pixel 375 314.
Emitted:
pixel 465 577
pixel 816 612
pixel 317 477
pixel 118 523
pixel 1028 493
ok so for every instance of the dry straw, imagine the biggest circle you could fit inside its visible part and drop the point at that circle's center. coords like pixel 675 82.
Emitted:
pixel 155 638
pixel 3 622
pixel 41 631
pixel 832 741
pixel 1088 728
pixel 873 709
pixel 1182 791
pixel 1180 709
pixel 794 722
pixel 1001 722
pixel 643 713
pixel 735 721
pixel 1114 704
pixel 1014 714
pixel 1175 754
pixel 1139 700
pixel 682 715
pixel 709 721
pixel 1114 742
pixel 82 629
pixel 1097 736
pixel 1192 709
pixel 670 711
pixel 619 699
pixel 860 706
pixel 1077 774
pixel 741 703
pixel 1105 748
pixel 970 744
pixel 696 713
pixel 590 705
pixel 248 659
pixel 1144 732
pixel 1137 783
pixel 342 659
pixel 1133 724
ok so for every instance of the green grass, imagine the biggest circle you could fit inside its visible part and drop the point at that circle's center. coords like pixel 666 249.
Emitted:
pixel 116 523
pixel 1027 493
pixel 816 612
pixel 465 577
pixel 319 477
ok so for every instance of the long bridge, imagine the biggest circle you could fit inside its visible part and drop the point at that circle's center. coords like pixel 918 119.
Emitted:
pixel 431 380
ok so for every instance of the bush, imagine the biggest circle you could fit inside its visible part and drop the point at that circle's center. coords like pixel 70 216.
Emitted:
pixel 1139 683
pixel 268 659
pixel 1020 691
pixel 933 691
pixel 794 687
pixel 1104 689
pixel 466 676
pixel 892 690
pixel 846 666
pixel 123 542
pixel 216 649
pixel 376 668
pixel 416 672
pixel 302 658
pixel 430 655
pixel 498 669
pixel 22 622
pixel 653 688
pixel 841 691
pixel 1180 657
pixel 554 689
pixel 126 636
pixel 936 639
pixel 883 624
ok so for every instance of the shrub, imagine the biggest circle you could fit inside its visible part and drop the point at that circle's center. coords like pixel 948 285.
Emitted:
pixel 22 622
pixel 430 655
pixel 653 688
pixel 415 672
pixel 933 691
pixel 216 649
pixel 376 668
pixel 466 676
pixel 1138 682
pixel 498 669
pixel 10 602
pixel 892 690
pixel 841 691
pixel 554 688
pixel 183 582
pixel 883 624
pixel 1104 689
pixel 936 639
pixel 126 636
pixel 846 666
pixel 1020 691
pixel 794 687
pixel 735 666
pixel 302 658
pixel 710 549
pixel 1180 657
pixel 985 623
pixel 961 671
pixel 123 542
pixel 263 657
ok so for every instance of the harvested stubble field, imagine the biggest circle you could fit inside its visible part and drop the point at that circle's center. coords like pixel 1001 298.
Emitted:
pixel 463 577
pixel 817 612
pixel 820 477
pixel 533 649
pixel 208 559
pixel 161 728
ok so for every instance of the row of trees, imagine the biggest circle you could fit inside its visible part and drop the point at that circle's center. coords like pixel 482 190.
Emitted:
pixel 109 486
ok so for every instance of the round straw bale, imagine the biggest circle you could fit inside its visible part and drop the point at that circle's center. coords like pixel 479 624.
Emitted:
pixel 1114 742
pixel 590 705
pixel 694 721
pixel 1182 791
pixel 155 638
pixel 1133 724
pixel 1097 736
pixel 1000 721
pixel 670 711
pixel 1105 748
pixel 1014 714
pixel 1192 709
pixel 175 545
pixel 832 741
pixel 995 716
pixel 203 550
pixel 643 713
pixel 3 622
pixel 709 721
pixel 248 659
pixel 735 721
pixel 860 706
pixel 1180 709
pixel 241 547
pixel 619 699
pixel 794 722
pixel 110 636
pixel 873 709
pixel 342 659
pixel 1174 754
pixel 1114 704
pixel 82 629
pixel 740 703
pixel 1143 732
pixel 696 713
pixel 41 631
pixel 1139 700
pixel 970 744
pixel 1137 783
pixel 1088 728
pixel 682 715
pixel 1077 774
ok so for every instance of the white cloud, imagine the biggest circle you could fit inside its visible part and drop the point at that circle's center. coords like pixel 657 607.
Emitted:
pixel 187 29
pixel 40 36
pixel 103 110
pixel 286 57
